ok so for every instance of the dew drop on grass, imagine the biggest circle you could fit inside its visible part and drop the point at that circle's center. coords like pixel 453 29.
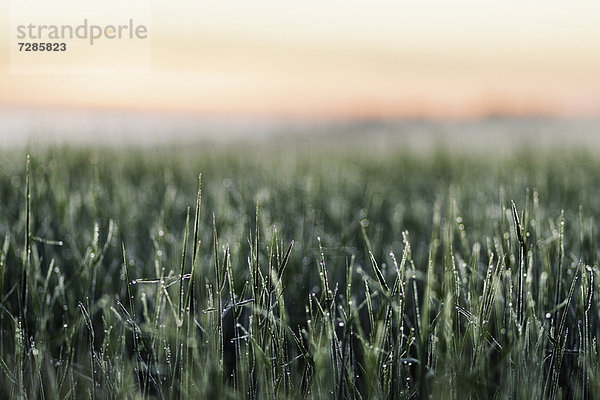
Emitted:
pixel 340 323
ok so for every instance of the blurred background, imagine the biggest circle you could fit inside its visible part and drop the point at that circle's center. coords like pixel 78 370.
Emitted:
pixel 237 69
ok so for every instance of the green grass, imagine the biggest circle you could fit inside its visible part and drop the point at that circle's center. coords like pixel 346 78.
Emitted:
pixel 298 272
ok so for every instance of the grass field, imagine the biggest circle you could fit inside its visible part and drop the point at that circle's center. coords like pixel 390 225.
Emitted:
pixel 299 272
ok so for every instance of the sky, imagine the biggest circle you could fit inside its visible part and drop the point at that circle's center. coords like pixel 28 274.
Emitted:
pixel 343 59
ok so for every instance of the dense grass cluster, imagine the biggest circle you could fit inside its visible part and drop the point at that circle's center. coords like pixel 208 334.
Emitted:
pixel 299 273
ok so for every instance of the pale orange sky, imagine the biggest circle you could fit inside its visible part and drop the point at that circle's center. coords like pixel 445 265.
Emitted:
pixel 353 58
